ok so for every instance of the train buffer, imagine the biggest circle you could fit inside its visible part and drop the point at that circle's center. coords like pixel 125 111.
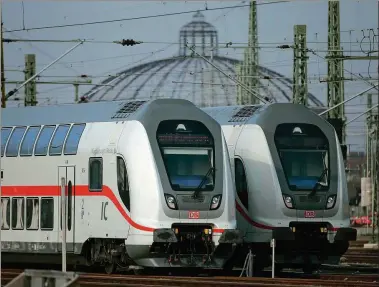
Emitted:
pixel 43 278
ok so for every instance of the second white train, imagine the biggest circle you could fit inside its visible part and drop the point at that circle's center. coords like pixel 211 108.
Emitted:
pixel 290 182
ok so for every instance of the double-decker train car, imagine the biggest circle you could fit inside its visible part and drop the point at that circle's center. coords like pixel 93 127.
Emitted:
pixel 290 183
pixel 147 184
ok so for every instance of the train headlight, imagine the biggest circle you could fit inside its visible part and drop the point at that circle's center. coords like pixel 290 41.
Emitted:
pixel 331 201
pixel 288 201
pixel 170 200
pixel 215 203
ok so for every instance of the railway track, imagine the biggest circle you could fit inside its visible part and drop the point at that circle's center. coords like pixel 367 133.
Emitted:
pixel 362 255
pixel 358 243
pixel 92 280
pixel 361 258
pixel 362 252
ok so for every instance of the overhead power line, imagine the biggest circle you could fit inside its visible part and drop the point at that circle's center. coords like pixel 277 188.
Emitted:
pixel 362 114
pixel 11 93
pixel 324 58
pixel 254 93
pixel 140 17
pixel 348 100
pixel 123 42
pixel 131 42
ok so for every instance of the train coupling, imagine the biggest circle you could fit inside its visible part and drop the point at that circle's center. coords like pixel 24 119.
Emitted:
pixel 283 234
pixel 346 234
pixel 231 236
pixel 164 235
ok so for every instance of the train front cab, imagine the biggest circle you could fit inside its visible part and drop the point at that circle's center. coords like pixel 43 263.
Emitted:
pixel 316 192
pixel 197 187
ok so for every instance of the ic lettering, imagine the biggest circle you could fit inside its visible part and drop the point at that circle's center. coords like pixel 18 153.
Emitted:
pixel 103 211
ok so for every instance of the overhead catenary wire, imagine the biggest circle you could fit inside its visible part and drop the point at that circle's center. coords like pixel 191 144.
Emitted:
pixel 274 63
pixel 226 45
pixel 42 51
pixel 145 42
pixel 255 94
pixel 11 93
pixel 143 17
pixel 346 70
pixel 96 59
pixel 362 114
pixel 349 99
pixel 123 42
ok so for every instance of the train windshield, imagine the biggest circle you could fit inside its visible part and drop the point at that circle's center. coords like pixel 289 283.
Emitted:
pixel 304 153
pixel 188 154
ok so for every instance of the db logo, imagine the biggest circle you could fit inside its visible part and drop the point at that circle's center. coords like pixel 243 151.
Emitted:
pixel 193 214
pixel 309 214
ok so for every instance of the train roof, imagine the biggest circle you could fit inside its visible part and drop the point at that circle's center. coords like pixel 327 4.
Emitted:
pixel 88 112
pixel 232 115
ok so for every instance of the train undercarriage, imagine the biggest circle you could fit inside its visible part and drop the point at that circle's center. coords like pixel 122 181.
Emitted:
pixel 302 245
pixel 191 247
pixel 182 245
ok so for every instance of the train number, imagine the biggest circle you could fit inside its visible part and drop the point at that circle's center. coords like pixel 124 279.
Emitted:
pixel 193 214
pixel 309 214
pixel 103 210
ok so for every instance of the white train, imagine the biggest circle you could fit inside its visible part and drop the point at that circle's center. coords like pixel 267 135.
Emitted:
pixel 290 183
pixel 148 183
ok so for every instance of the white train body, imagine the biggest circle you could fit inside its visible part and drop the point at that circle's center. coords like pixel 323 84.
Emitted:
pixel 275 174
pixel 118 162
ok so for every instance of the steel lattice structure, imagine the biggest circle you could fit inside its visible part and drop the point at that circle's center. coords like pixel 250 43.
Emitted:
pixel 190 77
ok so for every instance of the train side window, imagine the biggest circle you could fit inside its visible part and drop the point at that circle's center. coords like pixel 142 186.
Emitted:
pixel 6 212
pixel 29 141
pixel 57 142
pixel 18 213
pixel 241 182
pixel 5 132
pixel 43 140
pixel 95 174
pixel 122 182
pixel 15 141
pixel 47 213
pixel 32 213
pixel 73 138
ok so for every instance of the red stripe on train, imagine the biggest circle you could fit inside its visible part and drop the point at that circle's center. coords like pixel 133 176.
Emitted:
pixel 260 225
pixel 80 190
pixel 249 220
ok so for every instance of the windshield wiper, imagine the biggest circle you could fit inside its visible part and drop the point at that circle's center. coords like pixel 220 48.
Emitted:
pixel 198 188
pixel 314 189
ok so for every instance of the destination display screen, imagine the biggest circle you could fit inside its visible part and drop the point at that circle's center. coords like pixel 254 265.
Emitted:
pixel 185 139
pixel 301 142
pixel 300 136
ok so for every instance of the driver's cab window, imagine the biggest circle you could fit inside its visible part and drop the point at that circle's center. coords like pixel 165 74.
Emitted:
pixel 122 182
pixel 241 182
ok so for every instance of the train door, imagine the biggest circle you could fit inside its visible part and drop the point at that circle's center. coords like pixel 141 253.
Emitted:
pixel 68 173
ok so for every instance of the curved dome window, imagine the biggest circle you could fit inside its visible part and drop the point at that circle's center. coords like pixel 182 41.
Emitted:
pixel 187 76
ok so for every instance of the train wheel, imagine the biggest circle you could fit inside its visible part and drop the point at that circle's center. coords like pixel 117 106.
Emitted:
pixel 110 267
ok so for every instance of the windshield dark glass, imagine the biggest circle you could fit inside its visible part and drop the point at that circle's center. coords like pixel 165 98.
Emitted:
pixel 186 168
pixel 304 153
pixel 188 154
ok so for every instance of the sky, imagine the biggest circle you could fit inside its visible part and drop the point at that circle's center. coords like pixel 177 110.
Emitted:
pixel 275 27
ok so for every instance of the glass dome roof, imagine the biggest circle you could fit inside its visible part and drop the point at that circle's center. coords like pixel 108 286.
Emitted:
pixel 190 77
